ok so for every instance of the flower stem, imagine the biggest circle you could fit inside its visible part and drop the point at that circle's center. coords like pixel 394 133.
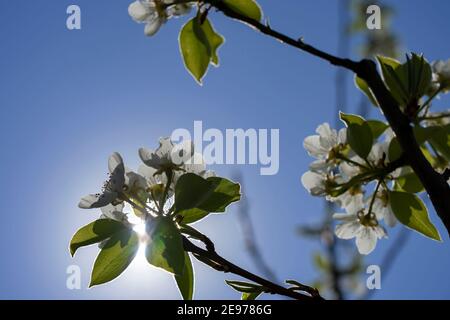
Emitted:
pixel 342 157
pixel 427 103
pixel 169 174
pixel 372 201
pixel 136 206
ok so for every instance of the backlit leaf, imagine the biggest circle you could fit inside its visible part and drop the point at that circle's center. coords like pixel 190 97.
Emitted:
pixel 115 256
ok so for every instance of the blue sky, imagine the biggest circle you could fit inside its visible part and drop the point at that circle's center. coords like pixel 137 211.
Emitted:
pixel 70 98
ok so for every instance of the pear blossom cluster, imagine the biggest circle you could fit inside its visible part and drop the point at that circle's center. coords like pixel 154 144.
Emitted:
pixel 344 178
pixel 155 13
pixel 151 188
pixel 441 75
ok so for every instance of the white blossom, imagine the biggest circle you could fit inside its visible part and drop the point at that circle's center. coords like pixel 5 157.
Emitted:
pixel 112 188
pixel 442 71
pixel 315 182
pixel 382 208
pixel 319 184
pixel 377 158
pixel 356 224
pixel 196 165
pixel 154 13
pixel 114 213
pixel 146 11
pixel 168 156
pixel 324 146
pixel 437 119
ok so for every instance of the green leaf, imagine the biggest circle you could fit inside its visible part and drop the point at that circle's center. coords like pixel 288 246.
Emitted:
pixel 94 232
pixel 440 140
pixel 421 134
pixel 191 232
pixel 410 210
pixel 140 197
pixel 185 281
pixel 348 118
pixel 419 74
pixel 165 247
pixel 377 127
pixel 251 295
pixel 409 183
pixel 250 291
pixel 438 136
pixel 248 8
pixel 196 197
pixel 431 159
pixel 245 287
pixel 195 49
pixel 362 85
pixel 199 43
pixel 215 40
pixel 394 150
pixel 391 62
pixel 409 81
pixel 115 256
pixel 359 134
pixel 396 79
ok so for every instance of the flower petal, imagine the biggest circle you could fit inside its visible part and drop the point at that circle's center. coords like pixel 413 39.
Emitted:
pixel 113 212
pixel 153 26
pixel 347 230
pixel 342 136
pixel 138 11
pixel 366 240
pixel 184 153
pixel 328 136
pixel 117 170
pixel 135 180
pixel 314 148
pixel 149 174
pixel 314 183
pixel 319 165
pixel 179 9
pixel 97 200
pixel 151 158
pixel 145 154
pixel 345 217
pixel 390 218
pixel 115 163
pixel 379 232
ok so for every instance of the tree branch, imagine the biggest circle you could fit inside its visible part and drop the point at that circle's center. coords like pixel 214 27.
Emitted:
pixel 433 182
pixel 435 185
pixel 297 43
pixel 219 263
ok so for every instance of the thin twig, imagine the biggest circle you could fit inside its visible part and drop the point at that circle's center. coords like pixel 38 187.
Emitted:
pixel 212 258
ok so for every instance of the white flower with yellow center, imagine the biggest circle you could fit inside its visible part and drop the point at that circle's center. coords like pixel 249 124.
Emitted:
pixel 325 146
pixel 382 208
pixel 361 226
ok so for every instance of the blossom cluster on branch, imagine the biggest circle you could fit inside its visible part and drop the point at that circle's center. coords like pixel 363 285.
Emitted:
pixel 362 169
pixel 171 190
